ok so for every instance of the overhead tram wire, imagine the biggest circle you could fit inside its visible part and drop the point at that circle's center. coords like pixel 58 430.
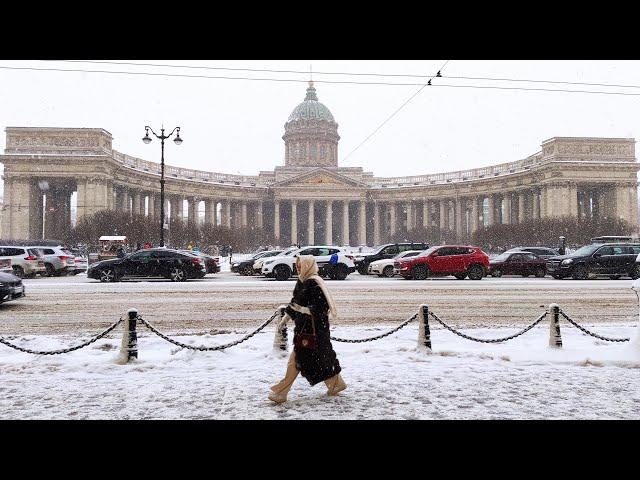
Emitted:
pixel 291 80
pixel 396 111
pixel 405 75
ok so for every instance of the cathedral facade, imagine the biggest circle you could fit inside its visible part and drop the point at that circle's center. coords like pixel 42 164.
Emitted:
pixel 310 199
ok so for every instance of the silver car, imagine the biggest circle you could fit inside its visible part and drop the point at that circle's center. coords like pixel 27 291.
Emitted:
pixel 57 261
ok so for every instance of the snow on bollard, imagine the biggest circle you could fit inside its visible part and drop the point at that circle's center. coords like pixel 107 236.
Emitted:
pixel 555 339
pixel 424 335
pixel 129 345
pixel 280 343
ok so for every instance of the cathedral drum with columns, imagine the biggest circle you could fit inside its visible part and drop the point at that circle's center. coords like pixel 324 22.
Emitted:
pixel 310 200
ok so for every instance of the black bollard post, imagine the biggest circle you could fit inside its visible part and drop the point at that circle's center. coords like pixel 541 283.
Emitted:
pixel 424 334
pixel 132 347
pixel 555 339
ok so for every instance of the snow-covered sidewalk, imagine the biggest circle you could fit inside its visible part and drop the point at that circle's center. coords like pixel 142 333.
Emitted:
pixel 387 379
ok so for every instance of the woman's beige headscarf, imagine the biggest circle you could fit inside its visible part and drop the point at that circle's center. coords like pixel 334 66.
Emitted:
pixel 309 269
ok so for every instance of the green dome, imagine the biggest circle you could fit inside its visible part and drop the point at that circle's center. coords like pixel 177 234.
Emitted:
pixel 311 108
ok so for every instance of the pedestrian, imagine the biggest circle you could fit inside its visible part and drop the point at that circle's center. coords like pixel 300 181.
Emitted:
pixel 120 252
pixel 230 253
pixel 313 355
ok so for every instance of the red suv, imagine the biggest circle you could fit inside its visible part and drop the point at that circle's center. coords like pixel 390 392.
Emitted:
pixel 456 260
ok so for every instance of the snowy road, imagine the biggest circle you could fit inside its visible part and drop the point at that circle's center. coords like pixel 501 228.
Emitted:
pixel 225 300
pixel 387 379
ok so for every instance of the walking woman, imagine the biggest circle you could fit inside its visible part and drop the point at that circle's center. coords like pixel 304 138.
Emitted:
pixel 312 356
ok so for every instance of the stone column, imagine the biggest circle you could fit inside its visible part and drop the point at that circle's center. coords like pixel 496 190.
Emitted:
pixel 491 210
pixel 507 209
pixel 362 231
pixel 135 210
pixel 174 206
pixel 572 197
pixel 311 227
pixel 259 210
pixel 409 207
pixel 426 213
pixel 294 222
pixel 227 208
pixel 474 214
pixel 444 215
pixel 244 214
pixel 151 205
pixel 276 220
pixel 535 199
pixel 210 212
pixel 392 217
pixel 521 207
pixel 345 222
pixel 192 211
pixel 376 223
pixel 329 224
pixel 460 216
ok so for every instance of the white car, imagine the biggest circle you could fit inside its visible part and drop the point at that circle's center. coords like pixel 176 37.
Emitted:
pixel 283 267
pixel 57 260
pixel 384 267
pixel 25 261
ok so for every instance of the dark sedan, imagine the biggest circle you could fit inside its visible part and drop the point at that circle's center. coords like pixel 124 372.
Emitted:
pixel 245 267
pixel 210 262
pixel 517 263
pixel 152 263
pixel 11 287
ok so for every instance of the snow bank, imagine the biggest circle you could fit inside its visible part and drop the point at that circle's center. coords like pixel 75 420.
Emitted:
pixel 390 378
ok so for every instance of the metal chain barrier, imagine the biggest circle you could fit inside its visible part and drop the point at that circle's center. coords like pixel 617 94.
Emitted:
pixel 65 350
pixel 600 337
pixel 371 339
pixel 207 349
pixel 482 340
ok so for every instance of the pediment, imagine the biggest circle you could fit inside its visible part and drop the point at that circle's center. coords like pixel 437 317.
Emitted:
pixel 319 177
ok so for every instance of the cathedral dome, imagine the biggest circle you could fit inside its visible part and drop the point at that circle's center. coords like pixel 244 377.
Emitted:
pixel 311 108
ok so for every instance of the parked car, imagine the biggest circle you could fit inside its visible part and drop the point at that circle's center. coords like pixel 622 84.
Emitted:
pixel 542 252
pixel 25 261
pixel 457 260
pixel 257 266
pixel 245 267
pixel 384 268
pixel 282 267
pixel 11 287
pixel 614 260
pixel 81 265
pixel 616 239
pixel 151 263
pixel 57 260
pixel 518 263
pixel 5 266
pixel 210 262
pixel 387 251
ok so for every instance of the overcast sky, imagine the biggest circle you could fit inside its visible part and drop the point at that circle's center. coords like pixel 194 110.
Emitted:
pixel 235 126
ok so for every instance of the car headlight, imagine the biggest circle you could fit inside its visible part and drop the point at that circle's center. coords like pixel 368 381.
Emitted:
pixel 268 262
pixel 3 284
pixel 359 259
pixel 568 261
pixel 235 264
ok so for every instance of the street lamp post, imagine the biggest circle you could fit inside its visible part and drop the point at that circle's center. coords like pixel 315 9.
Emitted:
pixel 162 137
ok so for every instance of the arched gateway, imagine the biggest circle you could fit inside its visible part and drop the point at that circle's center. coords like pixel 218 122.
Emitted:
pixel 310 199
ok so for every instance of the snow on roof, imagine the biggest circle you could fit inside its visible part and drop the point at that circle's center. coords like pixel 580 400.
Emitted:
pixel 112 238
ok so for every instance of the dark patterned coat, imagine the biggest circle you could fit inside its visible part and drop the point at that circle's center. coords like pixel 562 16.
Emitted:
pixel 321 363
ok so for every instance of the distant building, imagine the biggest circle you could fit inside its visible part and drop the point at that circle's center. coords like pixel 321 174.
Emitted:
pixel 311 199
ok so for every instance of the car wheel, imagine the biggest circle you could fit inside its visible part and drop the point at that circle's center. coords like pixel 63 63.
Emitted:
pixel 387 271
pixel 496 273
pixel 18 271
pixel 341 272
pixel 635 272
pixel 540 272
pixel 419 272
pixel 248 271
pixel 581 272
pixel 177 275
pixel 460 276
pixel 50 270
pixel 475 272
pixel 108 275
pixel 281 272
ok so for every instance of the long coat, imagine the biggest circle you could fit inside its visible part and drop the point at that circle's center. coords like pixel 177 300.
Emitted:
pixel 321 363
